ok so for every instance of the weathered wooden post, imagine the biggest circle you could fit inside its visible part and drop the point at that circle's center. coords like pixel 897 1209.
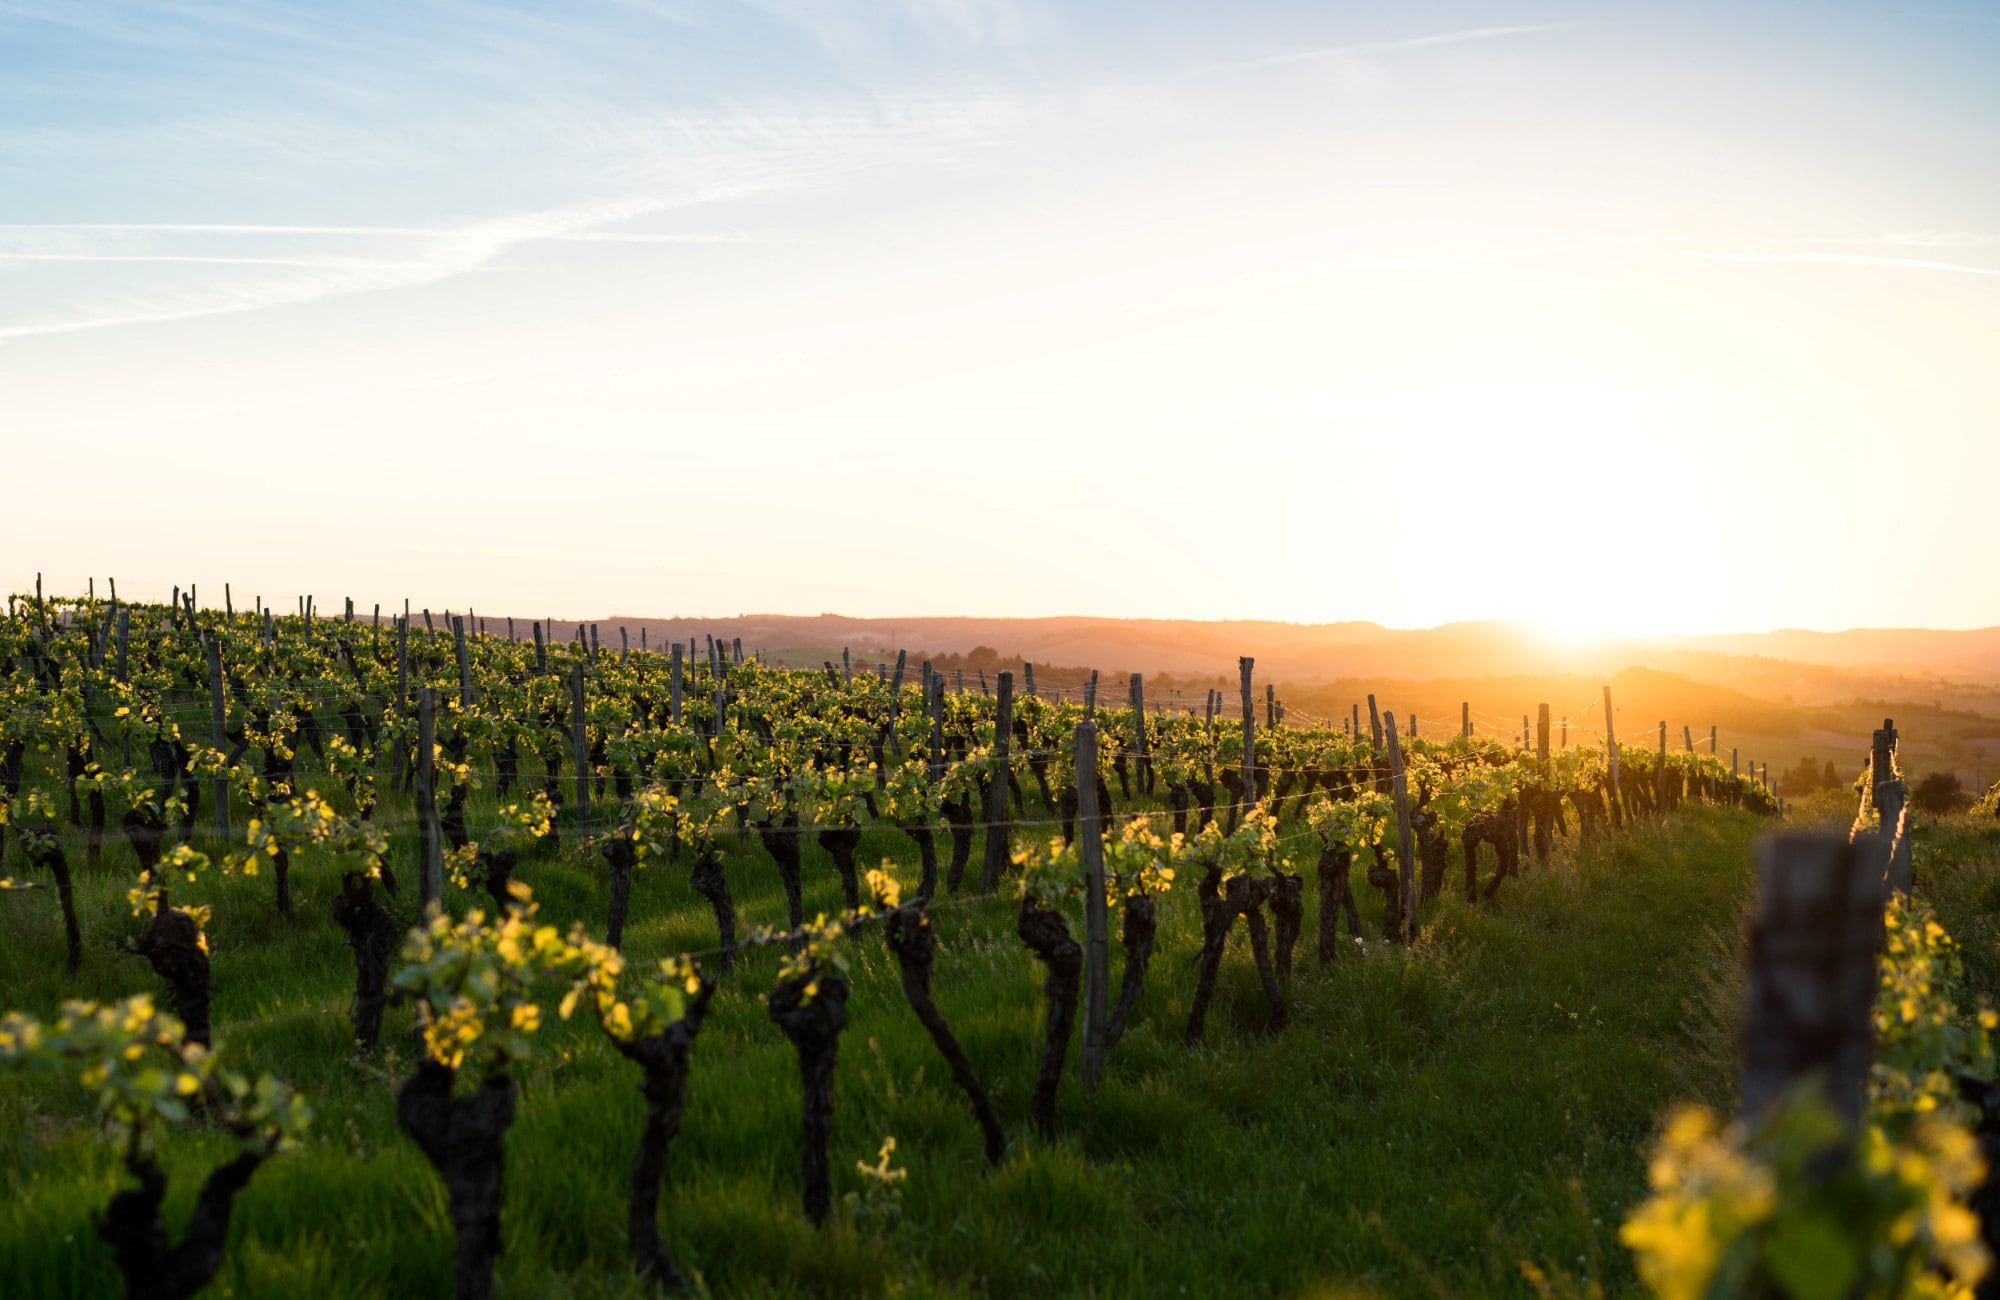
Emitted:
pixel 1096 923
pixel 1660 771
pixel 1890 797
pixel 430 852
pixel 218 736
pixel 996 855
pixel 1028 678
pixel 1815 935
pixel 403 665
pixel 1611 759
pixel 674 688
pixel 579 741
pixel 464 663
pixel 1406 849
pixel 1465 718
pixel 1245 665
pixel 1142 744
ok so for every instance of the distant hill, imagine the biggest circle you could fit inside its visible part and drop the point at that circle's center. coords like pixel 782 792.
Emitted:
pixel 1776 696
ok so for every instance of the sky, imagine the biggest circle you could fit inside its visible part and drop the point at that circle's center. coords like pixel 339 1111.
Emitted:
pixel 1614 317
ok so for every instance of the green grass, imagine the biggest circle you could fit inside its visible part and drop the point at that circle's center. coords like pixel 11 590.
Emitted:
pixel 1431 1121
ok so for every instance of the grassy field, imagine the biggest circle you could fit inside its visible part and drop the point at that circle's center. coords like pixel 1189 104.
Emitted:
pixel 1444 1121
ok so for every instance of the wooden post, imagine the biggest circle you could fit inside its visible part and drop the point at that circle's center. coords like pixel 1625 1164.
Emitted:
pixel 218 736
pixel 736 648
pixel 1270 705
pixel 579 741
pixel 228 608
pixel 1406 850
pixel 1542 736
pixel 1028 678
pixel 1465 718
pixel 1375 724
pixel 541 650
pixel 1524 731
pixel 1687 737
pixel 997 791
pixel 1890 796
pixel 624 644
pixel 464 663
pixel 1245 665
pixel 1815 934
pixel 674 689
pixel 1660 771
pixel 430 852
pixel 934 705
pixel 1141 743
pixel 1611 759
pixel 1096 923
pixel 403 665
pixel 1735 771
pixel 124 640
pixel 847 663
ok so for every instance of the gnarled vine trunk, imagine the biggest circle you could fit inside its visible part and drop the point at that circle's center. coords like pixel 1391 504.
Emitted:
pixel 372 935
pixel 1046 933
pixel 911 939
pixel 663 1060
pixel 464 1138
pixel 154 1268
pixel 813 1023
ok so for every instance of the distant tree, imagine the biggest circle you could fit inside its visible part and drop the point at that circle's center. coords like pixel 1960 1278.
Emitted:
pixel 1830 779
pixel 982 656
pixel 1801 780
pixel 1940 793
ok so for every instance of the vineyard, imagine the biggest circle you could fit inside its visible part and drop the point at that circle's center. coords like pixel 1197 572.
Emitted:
pixel 395 958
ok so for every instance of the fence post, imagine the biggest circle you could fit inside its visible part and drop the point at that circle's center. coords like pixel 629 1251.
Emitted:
pixel 1245 666
pixel 1096 949
pixel 1891 798
pixel 1660 771
pixel 579 741
pixel 674 689
pixel 1611 758
pixel 1406 851
pixel 464 662
pixel 995 860
pixel 430 854
pixel 1142 745
pixel 403 665
pixel 219 737
pixel 1809 1003
pixel 1028 678
pixel 1542 737
pixel 1465 718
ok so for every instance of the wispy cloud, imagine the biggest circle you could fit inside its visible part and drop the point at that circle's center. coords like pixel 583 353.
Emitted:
pixel 200 259
pixel 1845 259
pixel 1363 49
pixel 447 253
pixel 413 232
pixel 1415 260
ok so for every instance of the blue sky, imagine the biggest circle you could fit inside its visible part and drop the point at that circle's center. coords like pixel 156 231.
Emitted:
pixel 680 307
